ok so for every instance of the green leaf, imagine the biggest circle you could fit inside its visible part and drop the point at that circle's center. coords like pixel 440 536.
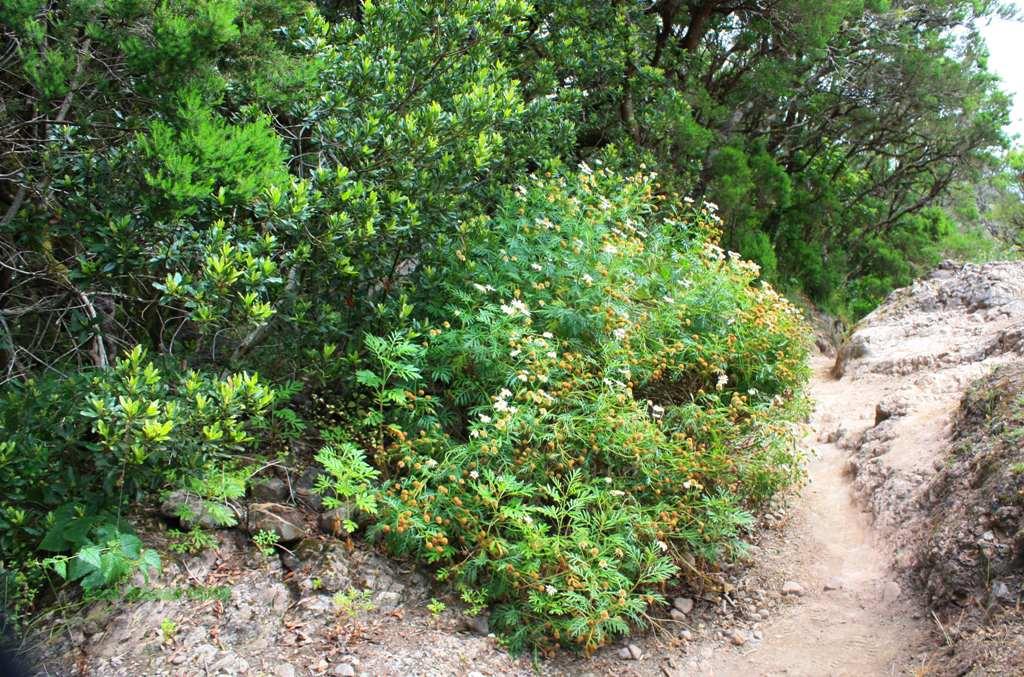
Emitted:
pixel 368 378
pixel 130 544
pixel 90 556
pixel 394 395
pixel 60 565
pixel 150 561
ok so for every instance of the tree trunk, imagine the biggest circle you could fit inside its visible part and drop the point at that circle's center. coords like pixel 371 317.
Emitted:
pixel 698 25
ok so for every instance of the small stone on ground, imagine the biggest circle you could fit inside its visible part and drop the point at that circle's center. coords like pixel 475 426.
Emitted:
pixel 683 604
pixel 792 589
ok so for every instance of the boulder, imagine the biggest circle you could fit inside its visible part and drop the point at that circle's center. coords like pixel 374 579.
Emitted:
pixel 330 571
pixel 304 493
pixel 889 408
pixel 333 521
pixel 478 625
pixel 854 349
pixel 283 520
pixel 269 489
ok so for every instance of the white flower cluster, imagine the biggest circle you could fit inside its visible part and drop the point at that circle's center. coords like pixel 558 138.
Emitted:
pixel 503 410
pixel 714 251
pixel 514 307
pixel 501 402
pixel 723 380
pixel 748 266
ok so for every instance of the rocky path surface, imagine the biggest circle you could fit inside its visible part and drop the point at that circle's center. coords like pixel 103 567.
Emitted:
pixel 866 521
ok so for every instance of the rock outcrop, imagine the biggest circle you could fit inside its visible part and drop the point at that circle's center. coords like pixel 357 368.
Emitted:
pixel 941 465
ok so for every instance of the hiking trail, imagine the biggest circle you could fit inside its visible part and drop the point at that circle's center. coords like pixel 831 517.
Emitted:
pixel 852 618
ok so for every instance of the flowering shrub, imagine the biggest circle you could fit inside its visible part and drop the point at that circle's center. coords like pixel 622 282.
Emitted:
pixel 612 395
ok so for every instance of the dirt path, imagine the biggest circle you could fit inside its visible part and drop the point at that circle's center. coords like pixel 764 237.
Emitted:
pixel 880 436
pixel 852 618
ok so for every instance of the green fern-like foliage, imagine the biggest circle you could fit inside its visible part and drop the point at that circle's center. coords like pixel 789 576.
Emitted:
pixel 204 154
pixel 347 478
pixel 627 392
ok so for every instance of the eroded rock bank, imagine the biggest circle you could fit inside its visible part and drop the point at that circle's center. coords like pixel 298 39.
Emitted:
pixel 939 466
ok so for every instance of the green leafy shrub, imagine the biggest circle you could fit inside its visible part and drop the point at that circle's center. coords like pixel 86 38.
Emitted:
pixel 348 478
pixel 190 542
pixel 976 246
pixel 225 165
pixel 75 453
pixel 207 155
pixel 152 428
pixel 103 555
pixel 614 395
pixel 266 541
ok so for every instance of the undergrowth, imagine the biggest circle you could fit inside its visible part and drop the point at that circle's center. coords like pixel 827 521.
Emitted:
pixel 613 395
pixel 76 454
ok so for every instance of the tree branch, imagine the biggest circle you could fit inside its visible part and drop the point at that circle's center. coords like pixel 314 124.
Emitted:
pixel 259 333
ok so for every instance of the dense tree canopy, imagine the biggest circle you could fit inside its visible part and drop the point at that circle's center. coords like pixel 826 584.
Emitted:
pixel 823 129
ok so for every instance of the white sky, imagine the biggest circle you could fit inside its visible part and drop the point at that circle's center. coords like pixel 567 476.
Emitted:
pixel 1006 44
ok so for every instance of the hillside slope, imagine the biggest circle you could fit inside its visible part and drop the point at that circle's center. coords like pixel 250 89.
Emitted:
pixel 901 554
